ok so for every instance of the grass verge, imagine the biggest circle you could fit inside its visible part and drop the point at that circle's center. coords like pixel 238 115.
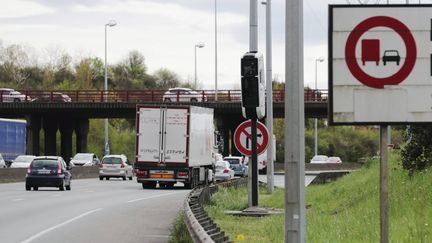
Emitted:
pixel 343 211
pixel 179 232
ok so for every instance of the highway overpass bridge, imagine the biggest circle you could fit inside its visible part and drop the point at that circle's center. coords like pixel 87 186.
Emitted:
pixel 45 110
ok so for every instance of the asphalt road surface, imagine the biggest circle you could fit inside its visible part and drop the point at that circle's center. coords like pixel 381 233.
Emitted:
pixel 93 211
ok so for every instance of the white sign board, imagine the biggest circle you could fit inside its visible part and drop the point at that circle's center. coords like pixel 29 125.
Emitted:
pixel 380 64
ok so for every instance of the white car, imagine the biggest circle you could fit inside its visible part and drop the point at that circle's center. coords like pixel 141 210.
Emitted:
pixel 334 159
pixel 84 159
pixel 10 95
pixel 223 171
pixel 115 166
pixel 22 161
pixel 319 159
pixel 183 95
pixel 2 162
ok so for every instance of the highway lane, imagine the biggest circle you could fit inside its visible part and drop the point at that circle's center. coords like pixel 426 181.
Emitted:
pixel 93 211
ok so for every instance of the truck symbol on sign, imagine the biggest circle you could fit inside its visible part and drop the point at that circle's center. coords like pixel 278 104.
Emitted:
pixel 371 52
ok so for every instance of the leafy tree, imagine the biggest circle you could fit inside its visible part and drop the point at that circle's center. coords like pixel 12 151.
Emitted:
pixel 48 77
pixel 131 73
pixel 90 73
pixel 417 153
pixel 15 59
pixel 166 79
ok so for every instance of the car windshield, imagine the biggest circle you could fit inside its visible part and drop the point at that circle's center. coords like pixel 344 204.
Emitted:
pixel 391 53
pixel 112 160
pixel 83 156
pixel 233 161
pixel 320 158
pixel 220 166
pixel 41 163
pixel 23 159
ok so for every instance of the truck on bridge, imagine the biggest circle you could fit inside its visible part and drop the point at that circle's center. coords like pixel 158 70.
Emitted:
pixel 12 138
pixel 174 144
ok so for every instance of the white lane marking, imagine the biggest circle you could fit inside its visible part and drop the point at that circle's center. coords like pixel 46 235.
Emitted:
pixel 59 225
pixel 155 196
pixel 17 199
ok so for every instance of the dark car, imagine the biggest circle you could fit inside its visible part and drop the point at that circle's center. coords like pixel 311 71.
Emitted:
pixel 48 171
pixel 55 97
pixel 391 56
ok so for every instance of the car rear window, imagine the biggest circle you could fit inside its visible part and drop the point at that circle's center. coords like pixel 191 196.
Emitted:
pixel 113 161
pixel 233 161
pixel 40 163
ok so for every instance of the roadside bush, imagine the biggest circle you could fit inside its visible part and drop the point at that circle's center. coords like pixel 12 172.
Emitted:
pixel 417 153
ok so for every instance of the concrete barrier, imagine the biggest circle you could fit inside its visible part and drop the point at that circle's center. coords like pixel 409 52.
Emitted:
pixel 8 175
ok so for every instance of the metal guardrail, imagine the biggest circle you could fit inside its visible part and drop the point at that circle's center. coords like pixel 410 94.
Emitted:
pixel 125 96
pixel 201 227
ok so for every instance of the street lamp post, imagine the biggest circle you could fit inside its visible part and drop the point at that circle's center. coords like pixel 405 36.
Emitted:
pixel 269 97
pixel 316 90
pixel 199 45
pixel 111 23
pixel 215 15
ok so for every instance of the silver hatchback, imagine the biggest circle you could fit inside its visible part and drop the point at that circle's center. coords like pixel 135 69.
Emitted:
pixel 115 166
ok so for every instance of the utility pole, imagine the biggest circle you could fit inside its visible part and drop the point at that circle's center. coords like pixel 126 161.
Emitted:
pixel 269 88
pixel 295 210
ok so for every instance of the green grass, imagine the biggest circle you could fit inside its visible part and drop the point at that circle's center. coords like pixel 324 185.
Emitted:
pixel 343 211
pixel 179 232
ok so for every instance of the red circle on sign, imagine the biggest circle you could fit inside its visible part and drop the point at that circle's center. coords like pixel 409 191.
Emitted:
pixel 359 30
pixel 242 129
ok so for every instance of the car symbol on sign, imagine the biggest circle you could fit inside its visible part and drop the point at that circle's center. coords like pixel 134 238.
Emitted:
pixel 391 56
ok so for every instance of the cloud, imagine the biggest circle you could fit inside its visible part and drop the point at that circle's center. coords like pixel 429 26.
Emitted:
pixel 22 8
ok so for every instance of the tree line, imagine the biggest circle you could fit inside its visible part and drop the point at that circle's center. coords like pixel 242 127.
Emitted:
pixel 21 68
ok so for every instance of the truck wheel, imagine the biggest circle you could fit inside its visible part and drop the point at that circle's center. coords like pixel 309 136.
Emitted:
pixel 28 188
pixel 101 178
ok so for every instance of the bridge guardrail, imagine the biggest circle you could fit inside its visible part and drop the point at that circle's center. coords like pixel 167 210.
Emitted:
pixel 200 226
pixel 66 96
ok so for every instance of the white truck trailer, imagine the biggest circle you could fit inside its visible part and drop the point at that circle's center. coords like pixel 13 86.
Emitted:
pixel 174 144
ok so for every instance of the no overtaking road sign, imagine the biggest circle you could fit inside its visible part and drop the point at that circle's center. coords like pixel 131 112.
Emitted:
pixel 380 64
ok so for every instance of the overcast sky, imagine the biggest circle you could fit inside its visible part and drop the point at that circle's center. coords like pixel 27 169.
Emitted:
pixel 166 31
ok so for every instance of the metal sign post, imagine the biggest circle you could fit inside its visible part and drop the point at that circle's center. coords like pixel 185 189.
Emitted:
pixel 254 164
pixel 384 200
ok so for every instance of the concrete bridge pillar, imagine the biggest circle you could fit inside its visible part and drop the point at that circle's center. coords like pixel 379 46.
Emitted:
pixel 50 125
pixel 66 129
pixel 227 126
pixel 81 132
pixel 33 129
